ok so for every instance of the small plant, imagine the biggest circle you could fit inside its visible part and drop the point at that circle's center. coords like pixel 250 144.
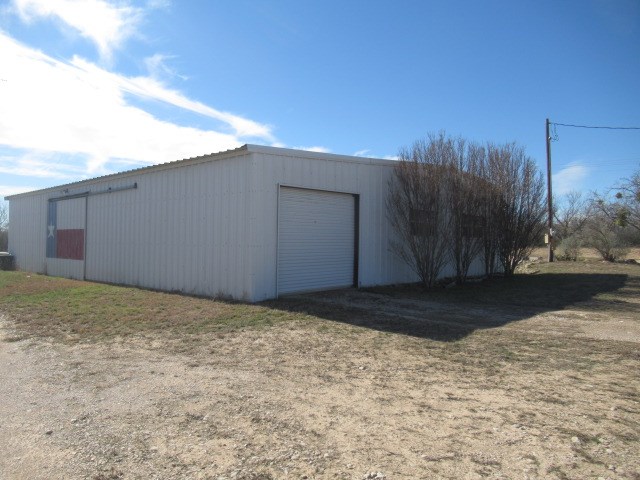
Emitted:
pixel 569 248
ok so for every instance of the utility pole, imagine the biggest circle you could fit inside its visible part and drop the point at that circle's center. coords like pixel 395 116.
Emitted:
pixel 549 200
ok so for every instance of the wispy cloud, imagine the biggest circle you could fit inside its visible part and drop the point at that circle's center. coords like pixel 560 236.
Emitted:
pixel 79 108
pixel 6 190
pixel 105 24
pixel 157 67
pixel 367 153
pixel 569 178
pixel 153 89
pixel 41 165
pixel 315 149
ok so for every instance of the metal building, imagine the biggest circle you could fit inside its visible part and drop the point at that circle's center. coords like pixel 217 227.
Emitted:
pixel 251 223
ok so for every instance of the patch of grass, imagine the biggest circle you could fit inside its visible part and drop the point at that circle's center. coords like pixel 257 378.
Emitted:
pixel 508 355
pixel 83 311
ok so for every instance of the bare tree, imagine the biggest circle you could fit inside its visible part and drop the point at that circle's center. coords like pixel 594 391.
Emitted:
pixel 465 206
pixel 4 227
pixel 417 209
pixel 624 208
pixel 628 200
pixel 570 221
pixel 572 215
pixel 490 206
pixel 605 236
pixel 450 200
pixel 520 203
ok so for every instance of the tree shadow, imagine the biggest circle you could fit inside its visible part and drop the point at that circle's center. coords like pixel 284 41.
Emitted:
pixel 451 314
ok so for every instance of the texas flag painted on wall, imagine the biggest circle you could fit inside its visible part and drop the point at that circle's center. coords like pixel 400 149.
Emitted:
pixel 65 229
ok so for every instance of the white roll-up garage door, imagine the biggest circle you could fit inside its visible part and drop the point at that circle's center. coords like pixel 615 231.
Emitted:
pixel 316 240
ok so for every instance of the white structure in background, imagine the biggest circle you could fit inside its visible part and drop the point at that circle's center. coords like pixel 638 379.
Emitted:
pixel 251 223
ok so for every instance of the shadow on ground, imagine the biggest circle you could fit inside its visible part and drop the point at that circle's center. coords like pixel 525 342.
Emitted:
pixel 452 314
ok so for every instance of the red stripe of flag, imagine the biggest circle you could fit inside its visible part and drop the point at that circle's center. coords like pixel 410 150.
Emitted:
pixel 70 244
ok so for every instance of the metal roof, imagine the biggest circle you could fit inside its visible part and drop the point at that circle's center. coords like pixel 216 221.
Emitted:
pixel 240 151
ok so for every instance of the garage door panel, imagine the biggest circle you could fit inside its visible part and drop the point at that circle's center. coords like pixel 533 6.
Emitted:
pixel 316 240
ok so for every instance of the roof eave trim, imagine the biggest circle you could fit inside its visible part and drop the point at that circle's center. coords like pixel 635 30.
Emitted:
pixel 240 151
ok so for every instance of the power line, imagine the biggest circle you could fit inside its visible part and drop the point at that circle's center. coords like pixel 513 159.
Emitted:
pixel 591 126
pixel 552 135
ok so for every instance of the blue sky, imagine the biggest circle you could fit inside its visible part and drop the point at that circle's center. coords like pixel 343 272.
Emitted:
pixel 94 87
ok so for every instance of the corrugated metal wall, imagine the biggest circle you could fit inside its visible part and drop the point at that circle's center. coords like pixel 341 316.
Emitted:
pixel 182 229
pixel 28 232
pixel 377 264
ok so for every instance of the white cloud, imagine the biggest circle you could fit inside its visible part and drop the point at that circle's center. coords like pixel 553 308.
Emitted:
pixel 41 165
pixel 153 89
pixel 78 108
pixel 314 149
pixel 6 190
pixel 106 24
pixel 368 154
pixel 569 178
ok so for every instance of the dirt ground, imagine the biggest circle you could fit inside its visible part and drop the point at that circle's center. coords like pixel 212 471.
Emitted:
pixel 551 394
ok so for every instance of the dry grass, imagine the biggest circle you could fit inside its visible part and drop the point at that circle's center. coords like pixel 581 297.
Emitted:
pixel 72 311
pixel 586 253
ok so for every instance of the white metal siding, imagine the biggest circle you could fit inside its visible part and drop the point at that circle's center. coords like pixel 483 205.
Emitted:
pixel 377 264
pixel 316 240
pixel 182 229
pixel 62 267
pixel 28 232
pixel 185 228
